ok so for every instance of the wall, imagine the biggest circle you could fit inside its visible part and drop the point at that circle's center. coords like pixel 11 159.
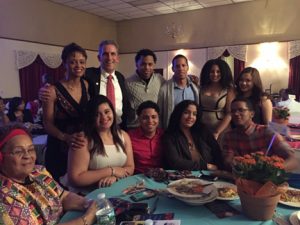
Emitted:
pixel 9 76
pixel 245 23
pixel 46 22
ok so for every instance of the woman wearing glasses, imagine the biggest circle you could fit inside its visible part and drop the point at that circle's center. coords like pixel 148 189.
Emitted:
pixel 28 193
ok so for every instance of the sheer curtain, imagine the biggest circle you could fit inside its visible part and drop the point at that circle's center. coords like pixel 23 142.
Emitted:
pixel 238 52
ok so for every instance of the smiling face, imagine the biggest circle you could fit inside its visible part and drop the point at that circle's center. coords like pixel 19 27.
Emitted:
pixel 109 58
pixel 246 84
pixel 215 74
pixel 149 121
pixel 104 117
pixel 145 66
pixel 188 117
pixel 75 64
pixel 241 115
pixel 180 68
pixel 18 158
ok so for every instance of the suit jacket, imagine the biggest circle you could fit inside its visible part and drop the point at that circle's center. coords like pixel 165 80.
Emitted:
pixel 92 75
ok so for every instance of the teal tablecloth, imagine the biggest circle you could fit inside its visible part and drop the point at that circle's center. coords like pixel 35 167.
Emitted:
pixel 189 215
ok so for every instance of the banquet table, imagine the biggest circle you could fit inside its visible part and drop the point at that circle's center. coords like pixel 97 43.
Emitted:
pixel 189 215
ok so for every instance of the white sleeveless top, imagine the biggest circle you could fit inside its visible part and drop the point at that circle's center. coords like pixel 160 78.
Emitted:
pixel 113 157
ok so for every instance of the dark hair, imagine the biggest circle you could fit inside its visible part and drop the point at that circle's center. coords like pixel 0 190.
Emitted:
pixel 144 53
pixel 257 91
pixel 246 100
pixel 179 56
pixel 147 105
pixel 90 128
pixel 70 49
pixel 226 74
pixel 174 122
pixel 107 42
pixel 13 104
pixel 5 130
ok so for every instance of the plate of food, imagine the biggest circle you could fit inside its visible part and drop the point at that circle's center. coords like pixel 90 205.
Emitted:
pixel 226 191
pixel 191 188
pixel 291 197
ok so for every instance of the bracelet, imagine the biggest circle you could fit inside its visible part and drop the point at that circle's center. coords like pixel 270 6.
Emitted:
pixel 112 171
pixel 84 220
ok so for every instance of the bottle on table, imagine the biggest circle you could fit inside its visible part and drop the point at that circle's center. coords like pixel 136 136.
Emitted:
pixel 106 214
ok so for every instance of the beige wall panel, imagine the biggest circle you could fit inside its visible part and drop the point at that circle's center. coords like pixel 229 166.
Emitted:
pixel 244 23
pixel 46 22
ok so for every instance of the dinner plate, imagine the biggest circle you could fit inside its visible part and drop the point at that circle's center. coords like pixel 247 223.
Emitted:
pixel 223 184
pixel 186 185
pixel 195 202
pixel 294 218
pixel 295 136
pixel 291 204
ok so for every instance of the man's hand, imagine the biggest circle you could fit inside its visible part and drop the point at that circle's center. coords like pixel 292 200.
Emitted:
pixel 44 93
pixel 77 141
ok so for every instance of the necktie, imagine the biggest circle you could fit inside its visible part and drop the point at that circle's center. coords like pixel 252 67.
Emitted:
pixel 110 90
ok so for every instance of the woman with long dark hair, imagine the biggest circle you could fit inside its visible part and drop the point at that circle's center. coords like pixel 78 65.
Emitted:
pixel 249 85
pixel 216 93
pixel 107 153
pixel 188 144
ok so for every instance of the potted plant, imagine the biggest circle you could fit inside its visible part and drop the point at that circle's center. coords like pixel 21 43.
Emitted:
pixel 260 182
pixel 281 115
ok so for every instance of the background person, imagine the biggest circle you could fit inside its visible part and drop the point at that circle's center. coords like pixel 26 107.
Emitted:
pixel 147 138
pixel 216 93
pixel 63 110
pixel 188 144
pixel 107 153
pixel 28 193
pixel 249 85
pixel 144 85
pixel 175 90
pixel 3 117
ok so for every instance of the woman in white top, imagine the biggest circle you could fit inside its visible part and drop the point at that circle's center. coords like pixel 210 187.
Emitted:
pixel 106 155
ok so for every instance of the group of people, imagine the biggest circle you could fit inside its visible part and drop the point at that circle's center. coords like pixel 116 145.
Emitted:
pixel 102 128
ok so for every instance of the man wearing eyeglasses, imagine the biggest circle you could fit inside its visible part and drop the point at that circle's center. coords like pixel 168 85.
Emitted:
pixel 248 137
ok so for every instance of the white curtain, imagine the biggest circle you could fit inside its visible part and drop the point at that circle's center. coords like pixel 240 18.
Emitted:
pixel 294 49
pixel 25 58
pixel 238 51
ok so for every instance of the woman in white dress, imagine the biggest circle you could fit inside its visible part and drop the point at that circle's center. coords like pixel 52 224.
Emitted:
pixel 106 155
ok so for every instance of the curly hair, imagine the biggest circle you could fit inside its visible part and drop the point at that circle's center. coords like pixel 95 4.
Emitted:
pixel 70 49
pixel 226 74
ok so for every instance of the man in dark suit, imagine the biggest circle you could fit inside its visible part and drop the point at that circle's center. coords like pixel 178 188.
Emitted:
pixel 108 57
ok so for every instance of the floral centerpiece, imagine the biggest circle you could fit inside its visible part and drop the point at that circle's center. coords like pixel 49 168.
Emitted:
pixel 281 115
pixel 260 181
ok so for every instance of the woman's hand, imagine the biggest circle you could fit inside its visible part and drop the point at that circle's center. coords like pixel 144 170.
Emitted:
pixel 107 181
pixel 120 172
pixel 211 166
pixel 78 141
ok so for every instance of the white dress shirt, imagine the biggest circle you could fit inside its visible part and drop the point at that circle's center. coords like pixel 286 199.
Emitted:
pixel 118 93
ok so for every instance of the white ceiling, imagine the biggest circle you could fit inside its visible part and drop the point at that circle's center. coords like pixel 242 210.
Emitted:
pixel 118 10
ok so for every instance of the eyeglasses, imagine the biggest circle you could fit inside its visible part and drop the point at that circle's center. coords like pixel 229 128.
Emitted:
pixel 21 151
pixel 240 110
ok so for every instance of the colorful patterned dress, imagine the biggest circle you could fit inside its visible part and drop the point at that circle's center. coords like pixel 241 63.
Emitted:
pixel 33 203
